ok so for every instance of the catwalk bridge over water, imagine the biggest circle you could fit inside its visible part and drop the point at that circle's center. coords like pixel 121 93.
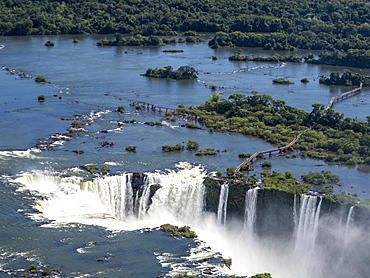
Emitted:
pixel 152 106
pixel 296 138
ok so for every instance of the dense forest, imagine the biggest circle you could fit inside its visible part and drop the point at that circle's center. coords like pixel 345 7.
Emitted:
pixel 340 25
pixel 341 18
pixel 346 20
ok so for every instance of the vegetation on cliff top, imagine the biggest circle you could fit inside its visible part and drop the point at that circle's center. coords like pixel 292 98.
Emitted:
pixel 284 182
pixel 320 178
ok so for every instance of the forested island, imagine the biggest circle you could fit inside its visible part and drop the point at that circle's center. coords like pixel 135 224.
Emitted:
pixel 183 72
pixel 334 138
pixel 339 26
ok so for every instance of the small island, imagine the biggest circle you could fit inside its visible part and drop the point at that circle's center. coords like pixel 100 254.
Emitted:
pixel 183 72
pixel 282 81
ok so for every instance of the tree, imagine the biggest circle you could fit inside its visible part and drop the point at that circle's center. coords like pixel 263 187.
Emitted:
pixel 49 43
pixel 215 97
pixel 118 37
pixel 41 98
pixel 266 164
pixel 238 99
pixel 192 145
pixel 186 72
pixel 41 79
pixel 131 149
pixel 230 171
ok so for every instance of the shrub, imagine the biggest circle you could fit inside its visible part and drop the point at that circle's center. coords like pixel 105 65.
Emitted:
pixel 49 43
pixel 46 271
pixel 244 155
pixel 91 168
pixel 227 262
pixel 207 151
pixel 191 125
pixel 305 80
pixel 176 231
pixel 173 50
pixel 107 144
pixel 168 148
pixel 33 268
pixel 266 164
pixel 186 232
pixel 41 79
pixel 192 145
pixel 105 170
pixel 230 171
pixel 76 41
pixel 76 124
pixel 214 58
pixel 262 275
pixel 131 149
pixel 41 98
pixel 282 81
pixel 120 109
pixel 245 167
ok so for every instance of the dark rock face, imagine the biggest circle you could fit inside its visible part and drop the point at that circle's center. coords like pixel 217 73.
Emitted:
pixel 275 209
pixel 213 189
pixel 137 181
pixel 274 213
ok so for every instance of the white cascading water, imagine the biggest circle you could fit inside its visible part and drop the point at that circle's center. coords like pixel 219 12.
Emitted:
pixel 222 204
pixel 144 202
pixel 295 212
pixel 345 235
pixel 348 223
pixel 180 196
pixel 105 201
pixel 115 192
pixel 306 231
pixel 250 209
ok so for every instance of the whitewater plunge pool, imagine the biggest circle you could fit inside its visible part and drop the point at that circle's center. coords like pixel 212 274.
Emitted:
pixel 54 217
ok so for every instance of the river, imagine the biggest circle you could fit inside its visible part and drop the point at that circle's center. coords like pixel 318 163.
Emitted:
pixel 92 82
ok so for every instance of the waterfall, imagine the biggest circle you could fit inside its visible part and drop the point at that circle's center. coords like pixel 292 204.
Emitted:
pixel 250 209
pixel 222 204
pixel 144 203
pixel 178 199
pixel 348 222
pixel 295 212
pixel 180 196
pixel 306 230
pixel 115 192
pixel 345 237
